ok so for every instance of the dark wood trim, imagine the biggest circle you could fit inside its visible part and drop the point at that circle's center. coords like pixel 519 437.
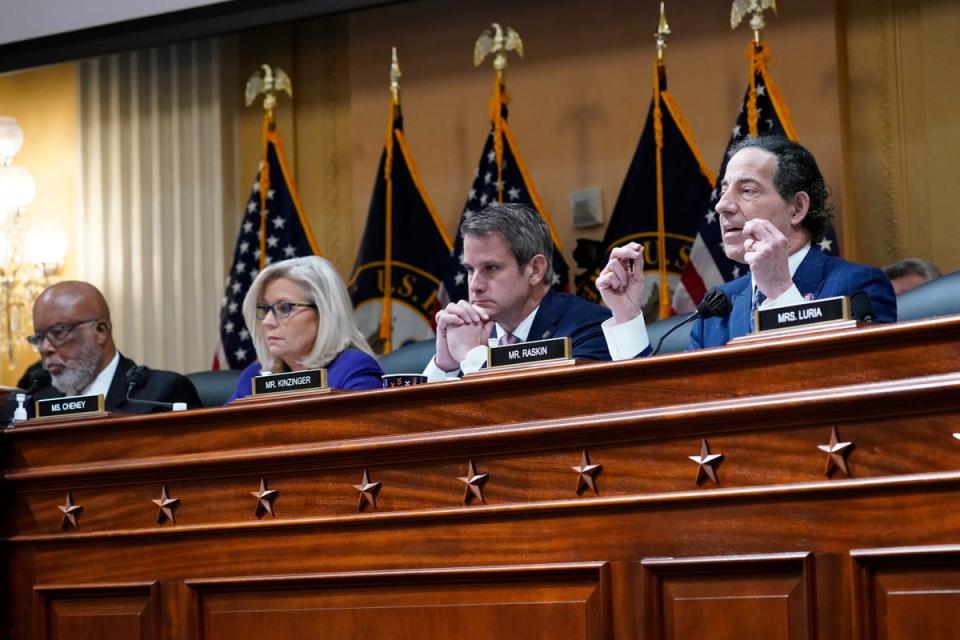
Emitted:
pixel 44 592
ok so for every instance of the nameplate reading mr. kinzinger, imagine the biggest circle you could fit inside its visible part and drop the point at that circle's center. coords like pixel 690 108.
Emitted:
pixel 71 405
pixel 815 311
pixel 290 382
pixel 535 352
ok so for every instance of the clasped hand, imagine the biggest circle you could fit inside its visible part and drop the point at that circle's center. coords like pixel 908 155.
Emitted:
pixel 461 326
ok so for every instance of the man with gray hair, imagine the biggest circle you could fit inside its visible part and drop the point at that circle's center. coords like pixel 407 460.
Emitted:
pixel 910 273
pixel 507 254
pixel 74 336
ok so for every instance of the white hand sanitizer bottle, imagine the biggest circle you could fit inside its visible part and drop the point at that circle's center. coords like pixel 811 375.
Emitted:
pixel 20 414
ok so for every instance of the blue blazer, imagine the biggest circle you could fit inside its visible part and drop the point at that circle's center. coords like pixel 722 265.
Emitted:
pixel 561 315
pixel 351 369
pixel 818 275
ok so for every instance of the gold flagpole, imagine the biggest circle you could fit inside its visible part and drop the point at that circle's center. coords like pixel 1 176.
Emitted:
pixel 386 310
pixel 659 82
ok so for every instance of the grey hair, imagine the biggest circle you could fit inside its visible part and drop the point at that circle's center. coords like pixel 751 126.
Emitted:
pixel 913 266
pixel 797 171
pixel 524 229
pixel 322 286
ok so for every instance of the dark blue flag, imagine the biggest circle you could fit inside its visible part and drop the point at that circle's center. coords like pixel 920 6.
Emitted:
pixel 763 112
pixel 274 228
pixel 404 244
pixel 663 197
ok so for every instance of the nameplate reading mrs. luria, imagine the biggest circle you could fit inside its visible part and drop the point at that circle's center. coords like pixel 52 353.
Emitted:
pixel 70 405
pixel 528 353
pixel 813 312
pixel 290 382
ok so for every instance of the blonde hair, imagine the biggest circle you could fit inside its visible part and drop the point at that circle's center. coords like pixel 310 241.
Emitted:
pixel 323 287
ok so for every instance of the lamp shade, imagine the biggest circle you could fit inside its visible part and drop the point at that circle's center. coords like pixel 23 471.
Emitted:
pixel 11 138
pixel 46 243
pixel 17 188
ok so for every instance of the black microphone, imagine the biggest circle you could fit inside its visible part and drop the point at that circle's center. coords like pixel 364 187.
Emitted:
pixel 861 307
pixel 38 380
pixel 137 378
pixel 715 304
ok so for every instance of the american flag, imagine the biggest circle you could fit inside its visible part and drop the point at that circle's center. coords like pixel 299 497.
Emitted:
pixel 708 265
pixel 517 188
pixel 273 229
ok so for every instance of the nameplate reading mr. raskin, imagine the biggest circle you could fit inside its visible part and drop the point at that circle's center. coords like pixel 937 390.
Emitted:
pixel 825 310
pixel 56 407
pixel 290 381
pixel 536 351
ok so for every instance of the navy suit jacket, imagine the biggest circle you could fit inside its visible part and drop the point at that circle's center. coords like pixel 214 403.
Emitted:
pixel 561 315
pixel 352 369
pixel 161 386
pixel 819 276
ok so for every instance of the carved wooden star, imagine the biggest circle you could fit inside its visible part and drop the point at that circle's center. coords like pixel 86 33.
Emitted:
pixel 837 453
pixel 265 498
pixel 707 463
pixel 70 513
pixel 587 473
pixel 368 492
pixel 474 482
pixel 166 506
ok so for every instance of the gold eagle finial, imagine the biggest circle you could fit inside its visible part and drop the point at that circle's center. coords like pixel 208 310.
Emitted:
pixel 663 30
pixel 272 80
pixel 498 43
pixel 755 8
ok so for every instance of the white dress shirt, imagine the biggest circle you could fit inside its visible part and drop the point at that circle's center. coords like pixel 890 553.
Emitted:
pixel 626 340
pixel 477 356
pixel 101 384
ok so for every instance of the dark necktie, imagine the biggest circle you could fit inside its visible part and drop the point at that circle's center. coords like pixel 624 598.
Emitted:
pixel 508 338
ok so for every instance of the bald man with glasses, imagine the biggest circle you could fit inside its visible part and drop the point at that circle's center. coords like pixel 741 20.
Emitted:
pixel 74 337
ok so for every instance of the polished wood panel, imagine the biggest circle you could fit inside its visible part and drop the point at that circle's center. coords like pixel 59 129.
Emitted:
pixel 97 611
pixel 547 601
pixel 657 551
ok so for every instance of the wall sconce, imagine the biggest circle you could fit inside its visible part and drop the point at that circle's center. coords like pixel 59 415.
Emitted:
pixel 29 259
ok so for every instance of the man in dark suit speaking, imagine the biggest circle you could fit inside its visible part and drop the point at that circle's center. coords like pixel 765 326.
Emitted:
pixel 75 340
pixel 773 212
pixel 507 254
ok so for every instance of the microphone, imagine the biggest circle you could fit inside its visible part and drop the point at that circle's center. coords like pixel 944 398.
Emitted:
pixel 38 380
pixel 861 307
pixel 137 378
pixel 715 304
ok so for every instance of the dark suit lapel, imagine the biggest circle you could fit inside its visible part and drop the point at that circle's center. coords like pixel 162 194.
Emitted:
pixel 742 310
pixel 548 316
pixel 809 275
pixel 117 394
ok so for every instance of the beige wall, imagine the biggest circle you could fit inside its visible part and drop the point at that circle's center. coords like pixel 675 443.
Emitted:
pixel 44 103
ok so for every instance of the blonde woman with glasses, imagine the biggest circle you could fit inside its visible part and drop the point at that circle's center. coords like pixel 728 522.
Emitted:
pixel 299 317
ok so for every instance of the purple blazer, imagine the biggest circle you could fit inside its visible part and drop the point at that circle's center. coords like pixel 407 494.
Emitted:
pixel 352 369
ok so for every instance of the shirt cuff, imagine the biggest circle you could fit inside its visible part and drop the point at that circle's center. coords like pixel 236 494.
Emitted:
pixel 627 340
pixel 788 297
pixel 476 359
pixel 436 374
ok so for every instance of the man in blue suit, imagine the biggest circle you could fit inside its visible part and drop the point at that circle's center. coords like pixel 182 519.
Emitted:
pixel 773 212
pixel 507 254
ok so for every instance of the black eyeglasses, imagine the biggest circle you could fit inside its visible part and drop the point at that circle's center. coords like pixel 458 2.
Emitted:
pixel 57 334
pixel 281 310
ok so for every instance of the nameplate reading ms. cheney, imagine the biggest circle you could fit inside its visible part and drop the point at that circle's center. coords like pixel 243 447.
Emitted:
pixel 525 353
pixel 289 382
pixel 71 405
pixel 815 311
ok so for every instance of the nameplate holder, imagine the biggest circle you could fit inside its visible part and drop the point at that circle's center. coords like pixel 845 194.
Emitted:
pixel 805 313
pixel 291 382
pixel 535 353
pixel 70 406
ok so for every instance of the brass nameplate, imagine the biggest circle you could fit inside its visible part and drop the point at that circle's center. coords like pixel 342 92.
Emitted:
pixel 813 312
pixel 307 380
pixel 529 353
pixel 70 405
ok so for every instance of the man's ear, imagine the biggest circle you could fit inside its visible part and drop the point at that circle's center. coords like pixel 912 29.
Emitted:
pixel 102 329
pixel 538 268
pixel 800 207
